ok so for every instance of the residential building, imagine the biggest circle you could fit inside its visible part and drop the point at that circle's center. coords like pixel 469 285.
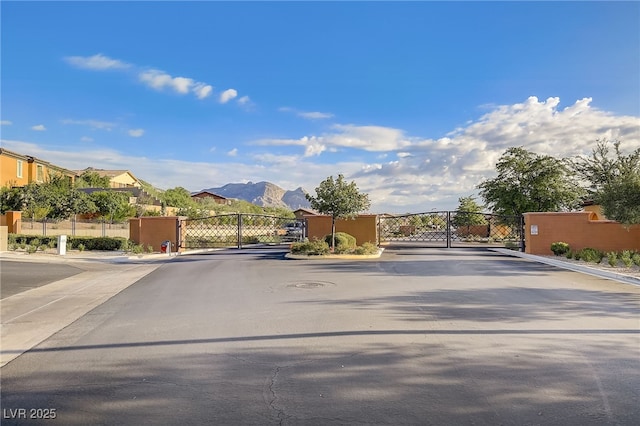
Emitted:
pixel 117 178
pixel 207 195
pixel 18 170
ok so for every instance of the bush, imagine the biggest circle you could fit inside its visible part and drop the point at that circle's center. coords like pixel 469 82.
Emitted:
pixel 344 242
pixel 569 254
pixel 98 243
pixel 591 255
pixel 636 258
pixel 612 258
pixel 559 248
pixel 366 248
pixel 310 248
pixel 626 258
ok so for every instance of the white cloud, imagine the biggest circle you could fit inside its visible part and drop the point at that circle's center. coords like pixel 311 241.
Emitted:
pixel 227 95
pixel 86 139
pixel 202 90
pixel 153 78
pixel 6 123
pixel 39 128
pixel 423 174
pixel 160 80
pixel 244 100
pixel 315 115
pixel 367 138
pixel 95 124
pixel 136 133
pixel 310 115
pixel 97 62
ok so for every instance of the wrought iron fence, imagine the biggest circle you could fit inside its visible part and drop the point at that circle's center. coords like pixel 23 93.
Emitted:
pixel 451 229
pixel 73 227
pixel 236 230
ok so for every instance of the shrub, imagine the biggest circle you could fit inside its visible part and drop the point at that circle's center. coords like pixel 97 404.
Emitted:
pixel 310 248
pixel 569 254
pixel 80 247
pixel 636 258
pixel 366 248
pixel 626 258
pixel 612 258
pixel 344 242
pixel 559 248
pixel 591 255
pixel 31 249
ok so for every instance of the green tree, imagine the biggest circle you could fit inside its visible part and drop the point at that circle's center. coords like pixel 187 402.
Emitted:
pixel 178 197
pixel 528 182
pixel 113 205
pixel 11 199
pixel 36 201
pixel 91 179
pixel 614 181
pixel 469 213
pixel 340 200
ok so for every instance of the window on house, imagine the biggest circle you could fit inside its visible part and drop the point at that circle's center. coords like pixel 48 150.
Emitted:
pixel 19 169
pixel 40 173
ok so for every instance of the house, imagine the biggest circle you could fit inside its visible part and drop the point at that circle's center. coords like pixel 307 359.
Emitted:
pixel 117 178
pixel 208 195
pixel 301 212
pixel 18 170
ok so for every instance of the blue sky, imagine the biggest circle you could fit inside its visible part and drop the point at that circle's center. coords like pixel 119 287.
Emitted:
pixel 414 101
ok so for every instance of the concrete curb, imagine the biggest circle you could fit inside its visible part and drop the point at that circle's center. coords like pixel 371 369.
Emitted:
pixel 627 279
pixel 335 256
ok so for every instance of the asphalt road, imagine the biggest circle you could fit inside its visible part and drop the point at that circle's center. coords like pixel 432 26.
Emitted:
pixel 429 336
pixel 16 277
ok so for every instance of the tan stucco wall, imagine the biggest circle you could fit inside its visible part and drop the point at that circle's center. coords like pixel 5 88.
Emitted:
pixel 363 227
pixel 124 180
pixel 154 230
pixel 13 221
pixel 9 170
pixel 579 230
pixel 4 238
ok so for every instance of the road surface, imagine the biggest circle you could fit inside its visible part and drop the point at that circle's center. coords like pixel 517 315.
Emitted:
pixel 419 336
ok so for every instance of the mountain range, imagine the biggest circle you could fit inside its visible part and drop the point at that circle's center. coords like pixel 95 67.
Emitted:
pixel 265 194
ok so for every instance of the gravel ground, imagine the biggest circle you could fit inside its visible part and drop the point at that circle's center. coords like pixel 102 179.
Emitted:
pixel 634 271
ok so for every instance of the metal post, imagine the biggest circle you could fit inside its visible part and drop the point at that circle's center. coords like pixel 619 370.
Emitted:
pixel 522 225
pixel 44 226
pixel 449 229
pixel 239 230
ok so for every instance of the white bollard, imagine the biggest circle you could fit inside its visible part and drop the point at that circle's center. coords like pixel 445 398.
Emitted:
pixel 62 245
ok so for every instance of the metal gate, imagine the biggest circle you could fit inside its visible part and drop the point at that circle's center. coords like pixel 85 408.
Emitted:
pixel 451 229
pixel 238 230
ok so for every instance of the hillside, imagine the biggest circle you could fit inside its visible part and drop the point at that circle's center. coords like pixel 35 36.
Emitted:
pixel 265 194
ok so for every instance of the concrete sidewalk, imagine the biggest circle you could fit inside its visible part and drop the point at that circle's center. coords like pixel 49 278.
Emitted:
pixel 32 316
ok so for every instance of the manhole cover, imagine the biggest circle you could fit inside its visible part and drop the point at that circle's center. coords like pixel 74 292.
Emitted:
pixel 311 284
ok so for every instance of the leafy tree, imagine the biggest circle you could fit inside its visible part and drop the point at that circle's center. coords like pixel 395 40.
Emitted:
pixel 469 213
pixel 11 199
pixel 178 197
pixel 91 179
pixel 528 182
pixel 113 205
pixel 36 201
pixel 614 181
pixel 339 199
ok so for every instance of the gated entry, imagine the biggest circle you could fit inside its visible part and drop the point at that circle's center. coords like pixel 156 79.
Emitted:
pixel 452 229
pixel 236 230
